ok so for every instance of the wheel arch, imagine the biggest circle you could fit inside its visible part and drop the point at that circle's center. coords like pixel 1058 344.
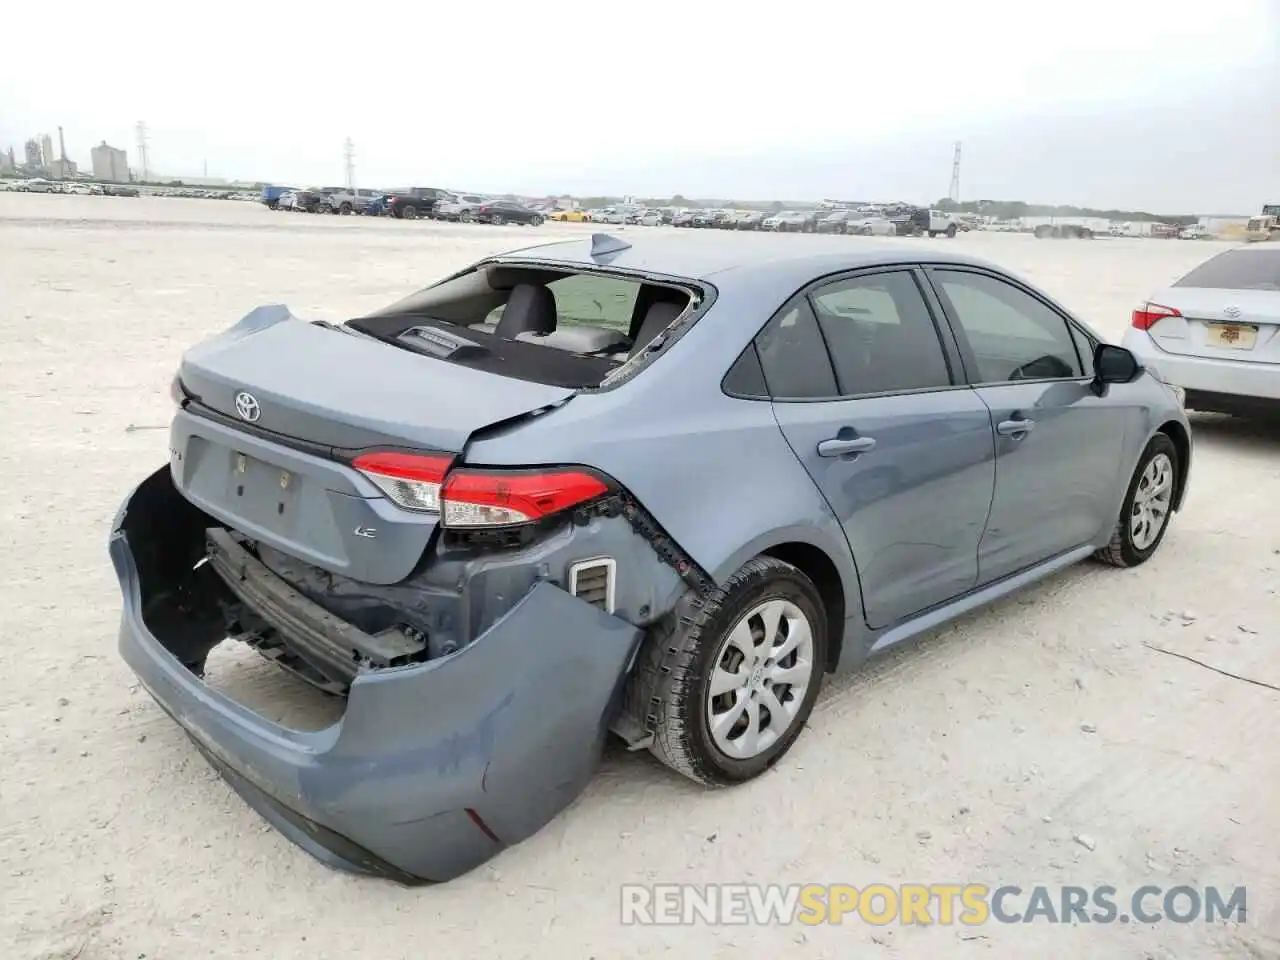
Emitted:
pixel 815 564
pixel 1181 438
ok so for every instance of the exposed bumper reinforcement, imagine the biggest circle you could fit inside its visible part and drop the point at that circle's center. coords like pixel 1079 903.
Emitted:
pixel 337 648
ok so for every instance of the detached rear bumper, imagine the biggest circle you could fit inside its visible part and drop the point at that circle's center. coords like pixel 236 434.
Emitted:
pixel 434 767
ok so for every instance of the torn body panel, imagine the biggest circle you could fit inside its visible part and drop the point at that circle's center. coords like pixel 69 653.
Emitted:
pixel 435 765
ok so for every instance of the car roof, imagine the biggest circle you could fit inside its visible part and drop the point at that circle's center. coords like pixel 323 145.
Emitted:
pixel 777 257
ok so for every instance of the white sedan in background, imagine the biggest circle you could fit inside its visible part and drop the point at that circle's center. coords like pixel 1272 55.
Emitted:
pixel 872 226
pixel 1216 332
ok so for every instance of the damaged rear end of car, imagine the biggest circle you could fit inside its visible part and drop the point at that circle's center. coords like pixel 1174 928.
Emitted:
pixel 478 620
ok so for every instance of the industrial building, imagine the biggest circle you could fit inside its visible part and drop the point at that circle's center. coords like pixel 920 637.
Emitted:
pixel 33 156
pixel 110 163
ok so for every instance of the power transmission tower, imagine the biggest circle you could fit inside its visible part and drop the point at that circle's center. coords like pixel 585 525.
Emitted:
pixel 349 157
pixel 142 150
pixel 954 193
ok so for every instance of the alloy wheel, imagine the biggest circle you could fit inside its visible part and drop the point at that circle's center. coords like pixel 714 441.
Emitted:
pixel 762 670
pixel 1151 502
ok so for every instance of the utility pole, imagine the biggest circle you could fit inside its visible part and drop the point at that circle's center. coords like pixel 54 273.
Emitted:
pixel 954 193
pixel 349 158
pixel 142 150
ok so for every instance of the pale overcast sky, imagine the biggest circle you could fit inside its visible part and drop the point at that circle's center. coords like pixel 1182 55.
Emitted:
pixel 1136 103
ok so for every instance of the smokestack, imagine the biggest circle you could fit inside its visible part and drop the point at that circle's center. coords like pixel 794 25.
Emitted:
pixel 62 147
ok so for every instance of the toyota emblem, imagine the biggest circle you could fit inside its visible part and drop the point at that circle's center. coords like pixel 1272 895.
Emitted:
pixel 1232 313
pixel 247 406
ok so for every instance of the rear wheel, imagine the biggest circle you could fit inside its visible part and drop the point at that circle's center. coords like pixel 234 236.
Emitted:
pixel 497 220
pixel 536 221
pixel 730 684
pixel 409 212
pixel 951 230
pixel 1144 516
pixel 466 216
pixel 345 209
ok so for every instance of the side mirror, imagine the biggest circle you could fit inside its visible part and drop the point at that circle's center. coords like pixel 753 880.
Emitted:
pixel 1112 364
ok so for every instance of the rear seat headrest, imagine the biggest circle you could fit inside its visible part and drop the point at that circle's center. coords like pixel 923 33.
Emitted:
pixel 531 308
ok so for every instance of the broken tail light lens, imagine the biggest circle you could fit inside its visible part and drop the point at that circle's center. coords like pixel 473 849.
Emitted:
pixel 499 498
pixel 410 480
pixel 470 498
pixel 1149 314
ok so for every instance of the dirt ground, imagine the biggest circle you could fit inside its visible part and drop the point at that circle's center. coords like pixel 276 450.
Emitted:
pixel 978 755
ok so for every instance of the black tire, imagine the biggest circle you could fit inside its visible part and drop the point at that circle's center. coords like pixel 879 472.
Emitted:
pixel 671 679
pixel 409 212
pixel 1121 551
pixel 345 210
pixel 466 216
pixel 536 221
pixel 951 230
pixel 497 219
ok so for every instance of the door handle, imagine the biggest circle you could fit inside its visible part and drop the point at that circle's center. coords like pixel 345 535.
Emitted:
pixel 1014 428
pixel 845 446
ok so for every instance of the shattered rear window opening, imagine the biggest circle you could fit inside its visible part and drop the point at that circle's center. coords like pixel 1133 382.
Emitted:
pixel 551 325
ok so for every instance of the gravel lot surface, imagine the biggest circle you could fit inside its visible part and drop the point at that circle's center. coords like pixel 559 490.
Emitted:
pixel 1038 741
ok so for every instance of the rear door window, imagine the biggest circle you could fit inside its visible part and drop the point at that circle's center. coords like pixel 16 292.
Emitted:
pixel 881 335
pixel 794 358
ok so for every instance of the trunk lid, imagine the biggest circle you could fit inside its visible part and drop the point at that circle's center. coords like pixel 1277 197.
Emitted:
pixel 1220 324
pixel 334 389
pixel 323 394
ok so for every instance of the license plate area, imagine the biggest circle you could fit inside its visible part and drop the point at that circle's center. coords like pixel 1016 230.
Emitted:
pixel 262 492
pixel 1231 336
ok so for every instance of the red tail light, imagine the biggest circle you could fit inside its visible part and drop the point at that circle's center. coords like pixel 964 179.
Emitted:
pixel 496 498
pixel 1149 314
pixel 477 498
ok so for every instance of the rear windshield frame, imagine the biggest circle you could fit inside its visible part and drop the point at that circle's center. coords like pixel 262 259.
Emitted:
pixel 1216 267
pixel 702 295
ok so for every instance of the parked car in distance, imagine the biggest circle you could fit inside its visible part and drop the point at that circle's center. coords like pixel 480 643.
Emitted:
pixel 569 216
pixel 884 441
pixel 414 203
pixel 650 218
pixel 498 212
pixel 609 215
pixel 834 222
pixel 37 185
pixel 460 207
pixel 1194 232
pixel 1216 332
pixel 748 220
pixel 684 218
pixel 307 201
pixel 788 221
pixel 868 226
pixel 337 200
